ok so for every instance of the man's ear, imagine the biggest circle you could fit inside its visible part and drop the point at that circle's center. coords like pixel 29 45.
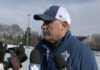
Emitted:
pixel 65 24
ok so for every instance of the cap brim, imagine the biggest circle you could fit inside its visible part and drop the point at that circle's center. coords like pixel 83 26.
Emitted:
pixel 43 17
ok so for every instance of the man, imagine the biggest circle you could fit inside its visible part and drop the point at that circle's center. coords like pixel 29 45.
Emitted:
pixel 57 38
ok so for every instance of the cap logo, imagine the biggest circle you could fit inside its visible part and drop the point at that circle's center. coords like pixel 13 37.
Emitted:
pixel 60 16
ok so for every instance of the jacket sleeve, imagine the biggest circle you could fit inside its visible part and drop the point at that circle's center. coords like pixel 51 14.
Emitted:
pixel 88 61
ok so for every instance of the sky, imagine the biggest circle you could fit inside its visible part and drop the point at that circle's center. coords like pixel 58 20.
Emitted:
pixel 85 14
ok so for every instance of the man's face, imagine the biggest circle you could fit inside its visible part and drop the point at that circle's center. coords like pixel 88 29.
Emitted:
pixel 52 30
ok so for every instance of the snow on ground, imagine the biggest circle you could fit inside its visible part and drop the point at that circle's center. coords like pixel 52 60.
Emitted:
pixel 98 61
pixel 97 55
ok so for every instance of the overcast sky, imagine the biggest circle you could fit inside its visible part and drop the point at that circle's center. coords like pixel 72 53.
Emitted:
pixel 85 14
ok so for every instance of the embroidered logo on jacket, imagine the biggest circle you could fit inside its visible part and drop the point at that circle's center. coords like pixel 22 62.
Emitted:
pixel 66 55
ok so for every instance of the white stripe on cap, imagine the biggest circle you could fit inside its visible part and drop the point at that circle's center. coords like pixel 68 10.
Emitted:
pixel 63 15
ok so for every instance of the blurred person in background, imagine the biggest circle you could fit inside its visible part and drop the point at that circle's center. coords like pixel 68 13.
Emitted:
pixel 17 57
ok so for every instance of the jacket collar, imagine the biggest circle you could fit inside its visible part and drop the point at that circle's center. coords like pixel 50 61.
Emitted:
pixel 64 43
pixel 65 40
pixel 60 43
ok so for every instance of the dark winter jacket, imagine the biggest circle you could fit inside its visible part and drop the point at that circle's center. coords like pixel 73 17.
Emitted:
pixel 77 55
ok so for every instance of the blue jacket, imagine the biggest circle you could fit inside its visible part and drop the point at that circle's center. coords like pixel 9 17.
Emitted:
pixel 77 55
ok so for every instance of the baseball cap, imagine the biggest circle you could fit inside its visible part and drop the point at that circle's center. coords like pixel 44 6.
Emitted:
pixel 54 12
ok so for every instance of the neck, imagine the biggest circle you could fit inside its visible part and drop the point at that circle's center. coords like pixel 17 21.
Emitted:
pixel 63 34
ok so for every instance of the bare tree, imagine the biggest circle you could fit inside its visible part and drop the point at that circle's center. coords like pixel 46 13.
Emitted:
pixel 35 37
pixel 10 33
pixel 14 30
pixel 95 42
